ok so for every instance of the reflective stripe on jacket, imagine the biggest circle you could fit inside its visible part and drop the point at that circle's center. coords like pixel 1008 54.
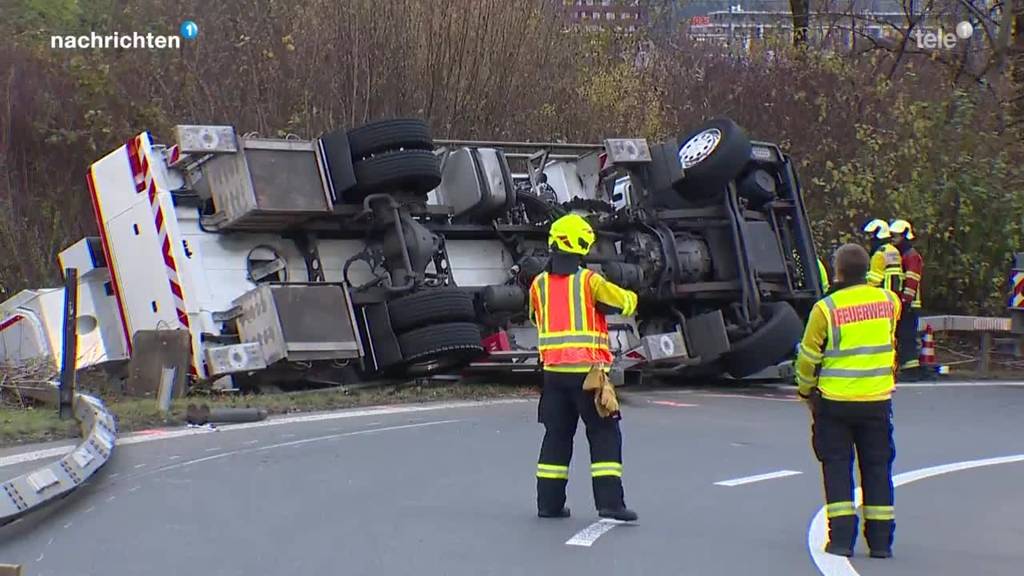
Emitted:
pixel 572 334
pixel 886 269
pixel 848 349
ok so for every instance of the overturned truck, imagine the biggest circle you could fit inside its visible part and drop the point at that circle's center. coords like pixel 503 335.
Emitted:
pixel 379 252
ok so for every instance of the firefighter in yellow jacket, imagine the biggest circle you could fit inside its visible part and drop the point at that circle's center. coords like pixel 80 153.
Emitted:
pixel 886 261
pixel 568 304
pixel 845 370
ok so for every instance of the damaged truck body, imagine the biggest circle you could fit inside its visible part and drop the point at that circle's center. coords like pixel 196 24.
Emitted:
pixel 379 252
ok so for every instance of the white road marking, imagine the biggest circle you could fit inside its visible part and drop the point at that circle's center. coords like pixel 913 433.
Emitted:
pixel 114 475
pixel 35 455
pixel 251 442
pixel 590 534
pixel 288 444
pixel 137 466
pixel 214 449
pixel 175 457
pixel 134 488
pixel 757 478
pixel 156 435
pixel 830 565
pixel 89 509
pixel 112 498
pixel 68 525
pixel 745 397
pixel 672 403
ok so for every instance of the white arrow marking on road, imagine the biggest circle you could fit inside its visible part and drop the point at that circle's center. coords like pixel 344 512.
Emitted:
pixel 758 478
pixel 590 534
pixel 831 565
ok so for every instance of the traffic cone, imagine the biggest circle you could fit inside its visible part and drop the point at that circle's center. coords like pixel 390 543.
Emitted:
pixel 927 356
pixel 929 365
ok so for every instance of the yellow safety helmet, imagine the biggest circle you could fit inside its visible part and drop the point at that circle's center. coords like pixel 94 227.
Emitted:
pixel 902 227
pixel 571 233
pixel 878 228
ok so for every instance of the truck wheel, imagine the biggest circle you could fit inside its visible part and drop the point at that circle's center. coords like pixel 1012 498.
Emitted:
pixel 711 157
pixel 772 343
pixel 435 306
pixel 387 135
pixel 440 347
pixel 416 171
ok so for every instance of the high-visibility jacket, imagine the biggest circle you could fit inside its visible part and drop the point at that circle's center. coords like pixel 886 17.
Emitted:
pixel 848 350
pixel 572 332
pixel 886 269
pixel 823 274
pixel 913 268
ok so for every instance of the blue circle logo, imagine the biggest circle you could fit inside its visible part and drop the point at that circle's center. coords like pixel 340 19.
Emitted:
pixel 189 30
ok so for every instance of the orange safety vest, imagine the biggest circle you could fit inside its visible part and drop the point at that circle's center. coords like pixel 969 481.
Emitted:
pixel 572 334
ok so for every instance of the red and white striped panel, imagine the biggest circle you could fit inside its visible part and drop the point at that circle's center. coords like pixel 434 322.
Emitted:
pixel 1017 290
pixel 144 182
pixel 11 322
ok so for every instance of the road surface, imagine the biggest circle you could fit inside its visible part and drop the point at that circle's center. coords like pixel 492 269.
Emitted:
pixel 724 481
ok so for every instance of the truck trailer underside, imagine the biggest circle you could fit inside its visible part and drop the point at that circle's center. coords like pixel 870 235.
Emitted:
pixel 380 253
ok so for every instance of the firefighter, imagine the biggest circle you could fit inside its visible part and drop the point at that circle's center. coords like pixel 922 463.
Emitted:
pixel 823 275
pixel 913 268
pixel 886 263
pixel 845 372
pixel 568 304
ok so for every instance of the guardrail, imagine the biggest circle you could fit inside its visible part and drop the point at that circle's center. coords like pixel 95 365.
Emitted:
pixel 985 325
pixel 24 493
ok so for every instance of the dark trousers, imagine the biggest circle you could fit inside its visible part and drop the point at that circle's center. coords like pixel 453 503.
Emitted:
pixel 907 353
pixel 839 428
pixel 562 403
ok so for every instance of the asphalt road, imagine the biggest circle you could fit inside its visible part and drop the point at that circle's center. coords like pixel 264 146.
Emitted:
pixel 451 492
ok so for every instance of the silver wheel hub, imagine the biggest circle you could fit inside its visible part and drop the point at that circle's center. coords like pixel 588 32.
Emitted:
pixel 698 148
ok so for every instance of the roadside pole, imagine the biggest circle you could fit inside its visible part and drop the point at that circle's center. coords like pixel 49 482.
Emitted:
pixel 69 352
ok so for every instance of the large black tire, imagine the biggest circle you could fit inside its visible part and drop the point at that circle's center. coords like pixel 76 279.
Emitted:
pixel 414 171
pixel 433 349
pixel 770 344
pixel 434 306
pixel 390 135
pixel 711 157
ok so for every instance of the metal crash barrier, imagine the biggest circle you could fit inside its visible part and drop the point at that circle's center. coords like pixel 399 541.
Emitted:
pixel 58 479
pixel 986 326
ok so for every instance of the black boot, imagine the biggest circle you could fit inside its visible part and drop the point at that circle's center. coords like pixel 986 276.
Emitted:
pixel 842 535
pixel 621 514
pixel 881 553
pixel 563 513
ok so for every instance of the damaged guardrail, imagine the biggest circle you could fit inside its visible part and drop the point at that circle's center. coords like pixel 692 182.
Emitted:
pixel 58 479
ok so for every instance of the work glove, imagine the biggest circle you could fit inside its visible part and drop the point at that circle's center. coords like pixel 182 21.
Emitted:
pixel 605 400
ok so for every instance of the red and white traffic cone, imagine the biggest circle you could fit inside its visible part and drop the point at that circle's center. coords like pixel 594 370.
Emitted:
pixel 927 357
pixel 929 365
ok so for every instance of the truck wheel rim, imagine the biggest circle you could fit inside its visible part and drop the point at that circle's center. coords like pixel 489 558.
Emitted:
pixel 698 148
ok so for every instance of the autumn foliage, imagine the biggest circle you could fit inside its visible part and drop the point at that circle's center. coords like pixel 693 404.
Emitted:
pixel 871 135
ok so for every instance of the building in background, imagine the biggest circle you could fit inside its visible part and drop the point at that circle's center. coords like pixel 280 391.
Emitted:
pixel 741 25
pixel 619 15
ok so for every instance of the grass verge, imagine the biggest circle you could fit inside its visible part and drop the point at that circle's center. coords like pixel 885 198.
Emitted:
pixel 40 424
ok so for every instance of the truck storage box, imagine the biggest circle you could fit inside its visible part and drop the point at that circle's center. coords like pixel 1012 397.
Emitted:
pixel 268 185
pixel 299 322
